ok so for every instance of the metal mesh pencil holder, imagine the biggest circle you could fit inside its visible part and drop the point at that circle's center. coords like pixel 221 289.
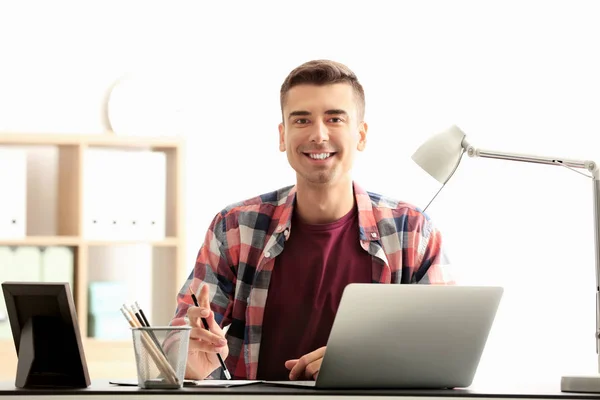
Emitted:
pixel 161 355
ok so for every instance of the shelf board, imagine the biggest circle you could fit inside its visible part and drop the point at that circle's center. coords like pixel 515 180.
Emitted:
pixel 76 241
pixel 167 242
pixel 42 241
pixel 100 140
pixel 7 345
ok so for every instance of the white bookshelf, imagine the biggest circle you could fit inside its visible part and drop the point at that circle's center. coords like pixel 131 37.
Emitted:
pixel 106 358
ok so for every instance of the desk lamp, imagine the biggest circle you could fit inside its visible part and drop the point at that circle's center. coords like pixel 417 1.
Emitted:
pixel 440 156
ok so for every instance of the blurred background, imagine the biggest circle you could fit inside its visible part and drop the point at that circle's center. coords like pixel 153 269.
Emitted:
pixel 516 76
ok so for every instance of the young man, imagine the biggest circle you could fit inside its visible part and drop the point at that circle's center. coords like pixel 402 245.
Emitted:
pixel 273 267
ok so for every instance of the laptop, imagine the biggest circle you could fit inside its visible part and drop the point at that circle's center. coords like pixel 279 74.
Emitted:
pixel 406 337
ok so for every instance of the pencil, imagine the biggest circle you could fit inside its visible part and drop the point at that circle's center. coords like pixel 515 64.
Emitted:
pixel 142 314
pixel 144 322
pixel 137 315
pixel 154 350
pixel 223 366
pixel 159 360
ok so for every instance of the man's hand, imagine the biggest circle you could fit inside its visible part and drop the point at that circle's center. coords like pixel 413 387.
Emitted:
pixel 204 344
pixel 306 367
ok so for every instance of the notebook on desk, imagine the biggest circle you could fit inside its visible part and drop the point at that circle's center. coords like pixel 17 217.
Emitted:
pixel 406 337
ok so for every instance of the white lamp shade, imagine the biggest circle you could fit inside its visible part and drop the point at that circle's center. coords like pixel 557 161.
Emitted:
pixel 439 155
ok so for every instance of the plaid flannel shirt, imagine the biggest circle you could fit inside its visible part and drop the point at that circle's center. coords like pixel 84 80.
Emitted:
pixel 243 240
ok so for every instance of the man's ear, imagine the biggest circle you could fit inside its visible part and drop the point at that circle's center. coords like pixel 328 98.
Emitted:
pixel 362 136
pixel 281 137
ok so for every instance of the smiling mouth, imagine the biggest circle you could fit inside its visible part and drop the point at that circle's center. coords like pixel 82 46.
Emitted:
pixel 319 156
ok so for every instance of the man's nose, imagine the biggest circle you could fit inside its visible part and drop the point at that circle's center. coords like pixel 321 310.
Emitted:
pixel 320 133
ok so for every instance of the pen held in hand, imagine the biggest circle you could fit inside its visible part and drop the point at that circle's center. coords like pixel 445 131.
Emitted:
pixel 205 323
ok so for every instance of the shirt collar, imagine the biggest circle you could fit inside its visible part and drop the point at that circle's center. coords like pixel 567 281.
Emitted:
pixel 366 219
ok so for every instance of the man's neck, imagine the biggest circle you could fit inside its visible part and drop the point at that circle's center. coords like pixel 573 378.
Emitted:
pixel 321 204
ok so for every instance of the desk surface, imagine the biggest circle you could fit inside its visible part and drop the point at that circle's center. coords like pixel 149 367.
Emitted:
pixel 103 389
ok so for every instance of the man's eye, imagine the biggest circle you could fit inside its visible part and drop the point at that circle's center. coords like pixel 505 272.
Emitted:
pixel 336 120
pixel 302 121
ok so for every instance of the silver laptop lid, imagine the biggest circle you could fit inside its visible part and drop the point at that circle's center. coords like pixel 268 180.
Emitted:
pixel 408 336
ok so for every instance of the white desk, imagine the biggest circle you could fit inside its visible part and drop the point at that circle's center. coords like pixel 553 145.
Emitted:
pixel 102 390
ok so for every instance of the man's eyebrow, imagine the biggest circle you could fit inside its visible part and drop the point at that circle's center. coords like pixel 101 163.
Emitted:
pixel 298 113
pixel 336 112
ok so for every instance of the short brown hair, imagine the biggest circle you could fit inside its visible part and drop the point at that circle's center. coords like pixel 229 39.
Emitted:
pixel 324 72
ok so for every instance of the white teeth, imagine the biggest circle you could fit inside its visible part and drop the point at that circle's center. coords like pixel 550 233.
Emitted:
pixel 320 156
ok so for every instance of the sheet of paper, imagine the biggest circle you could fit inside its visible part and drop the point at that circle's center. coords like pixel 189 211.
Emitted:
pixel 192 383
pixel 218 383
pixel 296 384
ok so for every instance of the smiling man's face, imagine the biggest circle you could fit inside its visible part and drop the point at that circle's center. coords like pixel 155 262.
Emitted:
pixel 321 132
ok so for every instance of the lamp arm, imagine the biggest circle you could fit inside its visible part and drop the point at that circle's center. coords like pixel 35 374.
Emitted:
pixel 588 165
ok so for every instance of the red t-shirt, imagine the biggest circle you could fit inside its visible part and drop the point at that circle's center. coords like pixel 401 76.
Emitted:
pixel 307 282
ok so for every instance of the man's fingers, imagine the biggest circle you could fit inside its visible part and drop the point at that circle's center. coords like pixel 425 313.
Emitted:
pixel 204 300
pixel 207 336
pixel 312 370
pixel 299 369
pixel 289 364
pixel 205 347
pixel 213 335
pixel 195 315
pixel 212 323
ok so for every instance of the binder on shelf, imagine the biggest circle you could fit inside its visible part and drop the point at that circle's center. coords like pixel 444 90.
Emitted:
pixel 57 264
pixel 107 327
pixel 98 193
pixel 149 202
pixel 6 262
pixel 123 183
pixel 124 195
pixel 27 261
pixel 19 264
pixel 13 186
pixel 104 318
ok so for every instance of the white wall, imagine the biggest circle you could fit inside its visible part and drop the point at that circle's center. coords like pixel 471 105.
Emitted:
pixel 517 76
